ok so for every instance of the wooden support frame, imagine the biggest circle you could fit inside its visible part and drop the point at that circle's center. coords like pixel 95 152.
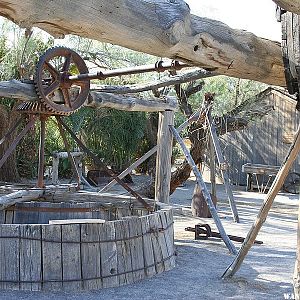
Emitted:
pixel 205 192
pixel 163 158
pixel 263 213
pixel 183 126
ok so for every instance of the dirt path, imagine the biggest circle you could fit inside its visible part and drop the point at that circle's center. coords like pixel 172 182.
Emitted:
pixel 265 274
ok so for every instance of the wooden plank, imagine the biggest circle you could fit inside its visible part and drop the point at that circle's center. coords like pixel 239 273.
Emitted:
pixel 30 257
pixel 163 158
pixel 91 256
pixel 157 253
pixel 149 261
pixel 9 217
pixel 2 217
pixel 166 217
pixel 20 216
pixel 52 257
pixel 123 252
pixel 205 192
pixel 109 263
pixel 45 216
pixel 136 248
pixel 71 258
pixel 9 257
pixel 161 225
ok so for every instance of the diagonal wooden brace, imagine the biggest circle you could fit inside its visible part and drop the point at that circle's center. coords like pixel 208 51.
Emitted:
pixel 205 192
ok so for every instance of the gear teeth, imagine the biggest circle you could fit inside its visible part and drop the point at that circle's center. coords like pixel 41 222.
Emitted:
pixel 38 81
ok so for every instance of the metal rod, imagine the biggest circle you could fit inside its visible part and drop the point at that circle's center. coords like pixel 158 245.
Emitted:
pixel 70 157
pixel 16 141
pixel 205 192
pixel 158 67
pixel 11 130
pixel 98 161
pixel 40 181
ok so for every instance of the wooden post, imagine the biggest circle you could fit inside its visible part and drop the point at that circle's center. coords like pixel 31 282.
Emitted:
pixel 164 154
pixel 40 182
pixel 55 163
pixel 222 163
pixel 296 279
pixel 205 193
pixel 262 215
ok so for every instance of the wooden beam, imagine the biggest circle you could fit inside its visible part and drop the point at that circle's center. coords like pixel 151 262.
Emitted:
pixel 130 103
pixel 205 192
pixel 20 196
pixel 163 158
pixel 290 5
pixel 160 28
pixel 26 92
pixel 263 213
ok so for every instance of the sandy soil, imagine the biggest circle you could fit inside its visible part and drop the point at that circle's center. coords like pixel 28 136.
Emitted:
pixel 265 274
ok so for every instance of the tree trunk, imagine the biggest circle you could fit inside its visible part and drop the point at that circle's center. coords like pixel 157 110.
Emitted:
pixel 162 28
pixel 9 170
pixel 290 5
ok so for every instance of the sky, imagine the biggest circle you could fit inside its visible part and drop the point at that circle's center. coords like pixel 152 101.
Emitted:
pixel 256 16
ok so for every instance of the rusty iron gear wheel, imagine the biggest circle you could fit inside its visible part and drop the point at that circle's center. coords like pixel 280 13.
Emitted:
pixel 59 95
pixel 29 107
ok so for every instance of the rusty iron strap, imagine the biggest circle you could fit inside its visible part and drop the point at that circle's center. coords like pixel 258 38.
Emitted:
pixel 98 161
pixel 13 146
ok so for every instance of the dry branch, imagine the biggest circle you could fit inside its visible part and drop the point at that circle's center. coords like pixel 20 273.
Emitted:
pixel 166 81
pixel 162 28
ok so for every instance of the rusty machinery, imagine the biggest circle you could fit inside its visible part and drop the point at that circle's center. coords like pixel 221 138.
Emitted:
pixel 62 84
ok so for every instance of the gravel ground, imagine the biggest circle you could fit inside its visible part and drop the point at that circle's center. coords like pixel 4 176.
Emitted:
pixel 265 274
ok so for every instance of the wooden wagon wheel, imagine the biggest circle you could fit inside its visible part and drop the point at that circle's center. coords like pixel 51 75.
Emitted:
pixel 292 182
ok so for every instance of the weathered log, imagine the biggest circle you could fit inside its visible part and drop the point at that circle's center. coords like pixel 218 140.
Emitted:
pixel 20 196
pixel 161 28
pixel 130 103
pixel 290 5
pixel 25 91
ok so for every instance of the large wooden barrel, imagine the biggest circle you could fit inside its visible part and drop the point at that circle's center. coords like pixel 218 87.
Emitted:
pixel 129 246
